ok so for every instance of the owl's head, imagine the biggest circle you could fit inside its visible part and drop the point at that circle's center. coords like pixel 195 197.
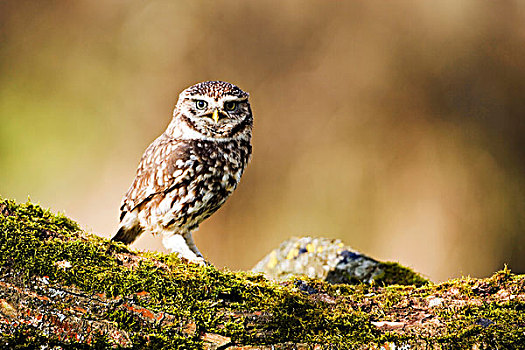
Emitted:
pixel 212 110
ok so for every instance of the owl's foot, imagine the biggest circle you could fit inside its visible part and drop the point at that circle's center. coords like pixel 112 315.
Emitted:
pixel 201 262
pixel 184 247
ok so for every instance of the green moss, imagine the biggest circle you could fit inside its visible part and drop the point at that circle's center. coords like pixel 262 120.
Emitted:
pixel 397 274
pixel 33 241
pixel 244 306
pixel 499 327
pixel 29 338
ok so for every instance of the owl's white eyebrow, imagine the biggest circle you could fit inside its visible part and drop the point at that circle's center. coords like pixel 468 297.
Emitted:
pixel 236 99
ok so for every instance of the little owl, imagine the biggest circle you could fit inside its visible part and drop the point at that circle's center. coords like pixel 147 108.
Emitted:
pixel 190 170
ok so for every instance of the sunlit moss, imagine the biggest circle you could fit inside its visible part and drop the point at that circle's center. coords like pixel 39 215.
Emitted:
pixel 244 306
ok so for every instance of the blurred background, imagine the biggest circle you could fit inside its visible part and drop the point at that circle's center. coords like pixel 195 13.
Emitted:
pixel 394 126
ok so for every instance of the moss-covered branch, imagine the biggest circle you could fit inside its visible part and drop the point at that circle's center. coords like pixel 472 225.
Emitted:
pixel 62 287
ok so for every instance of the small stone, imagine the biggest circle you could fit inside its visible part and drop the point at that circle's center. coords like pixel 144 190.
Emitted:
pixel 63 264
pixel 484 322
pixel 433 302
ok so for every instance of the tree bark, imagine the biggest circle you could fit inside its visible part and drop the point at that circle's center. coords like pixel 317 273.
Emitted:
pixel 61 287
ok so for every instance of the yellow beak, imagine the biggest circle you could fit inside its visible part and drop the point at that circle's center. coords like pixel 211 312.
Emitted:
pixel 215 115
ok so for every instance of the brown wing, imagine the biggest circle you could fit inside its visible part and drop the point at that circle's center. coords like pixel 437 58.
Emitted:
pixel 162 167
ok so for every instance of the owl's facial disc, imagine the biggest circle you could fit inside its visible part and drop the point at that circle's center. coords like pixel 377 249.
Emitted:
pixel 213 110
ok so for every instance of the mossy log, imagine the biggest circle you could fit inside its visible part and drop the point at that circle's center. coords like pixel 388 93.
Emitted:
pixel 62 288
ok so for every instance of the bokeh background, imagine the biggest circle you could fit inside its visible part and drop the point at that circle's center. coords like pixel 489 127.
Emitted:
pixel 394 126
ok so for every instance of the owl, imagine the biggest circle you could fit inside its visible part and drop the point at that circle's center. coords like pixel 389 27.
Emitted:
pixel 190 170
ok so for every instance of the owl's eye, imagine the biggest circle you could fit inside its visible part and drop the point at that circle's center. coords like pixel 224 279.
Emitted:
pixel 200 104
pixel 230 105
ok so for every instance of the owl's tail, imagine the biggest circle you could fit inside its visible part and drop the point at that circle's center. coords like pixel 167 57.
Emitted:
pixel 127 236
